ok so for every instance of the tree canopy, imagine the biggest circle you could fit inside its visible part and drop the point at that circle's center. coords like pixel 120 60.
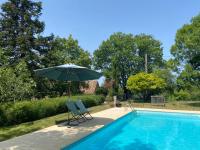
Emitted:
pixel 123 55
pixel 66 50
pixel 20 29
pixel 146 44
pixel 187 44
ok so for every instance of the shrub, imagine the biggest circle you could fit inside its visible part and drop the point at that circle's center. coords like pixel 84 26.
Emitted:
pixel 145 84
pixel 101 91
pixel 182 95
pixel 186 95
pixel 25 111
pixel 195 94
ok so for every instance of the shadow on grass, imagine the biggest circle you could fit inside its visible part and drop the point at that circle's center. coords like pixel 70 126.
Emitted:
pixel 60 121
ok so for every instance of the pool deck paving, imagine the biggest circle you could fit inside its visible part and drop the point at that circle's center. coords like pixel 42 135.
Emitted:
pixel 59 136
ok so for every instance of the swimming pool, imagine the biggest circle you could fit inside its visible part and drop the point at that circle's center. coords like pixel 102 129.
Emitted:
pixel 145 130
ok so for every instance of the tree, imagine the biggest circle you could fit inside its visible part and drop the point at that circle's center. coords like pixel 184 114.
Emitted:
pixel 66 51
pixel 188 78
pixel 116 58
pixel 169 78
pixel 15 84
pixel 123 55
pixel 20 30
pixel 187 44
pixel 3 58
pixel 146 84
pixel 146 44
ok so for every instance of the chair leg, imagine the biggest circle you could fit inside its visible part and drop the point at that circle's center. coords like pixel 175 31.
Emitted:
pixel 81 117
pixel 90 115
pixel 73 118
pixel 87 113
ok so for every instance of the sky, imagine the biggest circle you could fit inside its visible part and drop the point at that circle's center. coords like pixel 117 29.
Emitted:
pixel 92 21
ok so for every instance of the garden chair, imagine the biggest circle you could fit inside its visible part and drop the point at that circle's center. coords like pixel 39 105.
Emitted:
pixel 83 109
pixel 76 114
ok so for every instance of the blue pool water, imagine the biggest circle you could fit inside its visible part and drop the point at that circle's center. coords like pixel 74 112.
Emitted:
pixel 144 130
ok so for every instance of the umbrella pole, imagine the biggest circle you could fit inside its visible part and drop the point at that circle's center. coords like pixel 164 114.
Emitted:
pixel 69 94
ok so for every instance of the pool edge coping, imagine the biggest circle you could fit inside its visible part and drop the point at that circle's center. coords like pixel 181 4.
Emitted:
pixel 168 110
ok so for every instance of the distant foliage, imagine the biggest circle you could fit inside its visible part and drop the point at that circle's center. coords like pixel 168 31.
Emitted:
pixel 146 84
pixel 188 78
pixel 169 78
pixel 15 84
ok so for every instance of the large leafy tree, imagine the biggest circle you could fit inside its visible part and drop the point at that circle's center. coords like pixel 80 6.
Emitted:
pixel 123 55
pixel 117 58
pixel 146 44
pixel 187 44
pixel 66 51
pixel 145 84
pixel 20 30
pixel 21 40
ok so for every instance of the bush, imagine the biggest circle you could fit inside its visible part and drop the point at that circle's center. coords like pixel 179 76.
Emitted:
pixel 25 111
pixel 195 94
pixel 186 95
pixel 101 91
pixel 182 95
pixel 145 84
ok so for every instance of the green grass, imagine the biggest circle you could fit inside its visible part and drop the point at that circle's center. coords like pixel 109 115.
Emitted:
pixel 17 130
pixel 176 105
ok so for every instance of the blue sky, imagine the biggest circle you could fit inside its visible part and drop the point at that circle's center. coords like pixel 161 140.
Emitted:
pixel 92 21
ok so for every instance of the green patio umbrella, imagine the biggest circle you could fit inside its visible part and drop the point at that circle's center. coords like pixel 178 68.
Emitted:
pixel 68 72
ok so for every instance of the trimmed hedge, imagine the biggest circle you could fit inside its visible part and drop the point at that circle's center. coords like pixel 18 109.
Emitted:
pixel 25 111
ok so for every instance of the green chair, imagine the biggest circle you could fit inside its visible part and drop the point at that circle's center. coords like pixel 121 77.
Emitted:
pixel 76 114
pixel 83 109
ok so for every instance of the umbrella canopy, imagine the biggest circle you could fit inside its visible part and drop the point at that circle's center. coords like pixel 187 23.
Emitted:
pixel 68 72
